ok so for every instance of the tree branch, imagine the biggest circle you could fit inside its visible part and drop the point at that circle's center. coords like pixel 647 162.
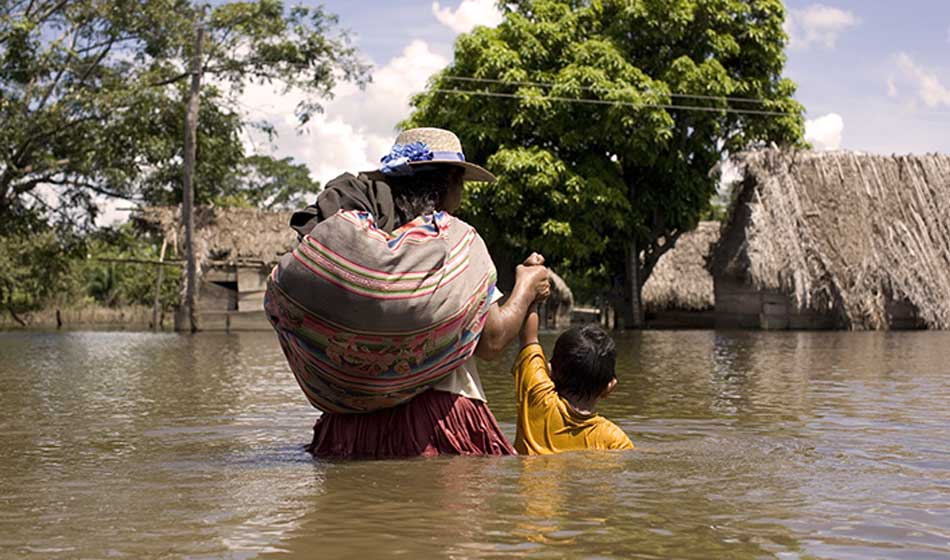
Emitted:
pixel 89 186
pixel 652 255
pixel 49 13
pixel 169 81
pixel 15 316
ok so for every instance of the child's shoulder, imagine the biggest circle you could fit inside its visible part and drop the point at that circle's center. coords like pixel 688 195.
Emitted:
pixel 530 350
pixel 610 435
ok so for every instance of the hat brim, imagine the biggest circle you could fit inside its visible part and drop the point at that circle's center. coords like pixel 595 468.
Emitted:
pixel 472 172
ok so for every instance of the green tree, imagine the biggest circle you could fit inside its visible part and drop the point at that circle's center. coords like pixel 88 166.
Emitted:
pixel 605 187
pixel 91 92
pixel 35 261
pixel 269 183
pixel 92 104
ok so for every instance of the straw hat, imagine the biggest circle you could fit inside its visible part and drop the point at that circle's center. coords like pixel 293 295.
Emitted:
pixel 427 147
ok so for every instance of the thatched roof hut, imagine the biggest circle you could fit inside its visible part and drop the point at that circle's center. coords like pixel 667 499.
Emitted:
pixel 852 237
pixel 680 279
pixel 226 235
pixel 236 249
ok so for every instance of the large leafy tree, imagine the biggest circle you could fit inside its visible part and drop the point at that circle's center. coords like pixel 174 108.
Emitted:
pixel 578 106
pixel 92 104
pixel 91 92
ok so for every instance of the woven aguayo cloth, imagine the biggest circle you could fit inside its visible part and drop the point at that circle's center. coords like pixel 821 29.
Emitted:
pixel 369 319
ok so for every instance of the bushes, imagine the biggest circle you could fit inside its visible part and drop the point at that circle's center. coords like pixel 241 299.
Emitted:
pixel 45 266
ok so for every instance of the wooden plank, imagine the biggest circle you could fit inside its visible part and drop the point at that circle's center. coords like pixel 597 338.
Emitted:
pixel 220 275
pixel 739 304
pixel 811 322
pixel 736 320
pixel 775 298
pixel 249 321
pixel 682 320
pixel 773 322
pixel 253 301
pixel 212 297
pixel 777 309
pixel 251 280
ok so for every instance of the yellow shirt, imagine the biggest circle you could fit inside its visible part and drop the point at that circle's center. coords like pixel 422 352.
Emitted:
pixel 546 422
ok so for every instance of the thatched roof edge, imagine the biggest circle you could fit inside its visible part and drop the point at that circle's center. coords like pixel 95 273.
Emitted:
pixel 225 234
pixel 681 280
pixel 846 231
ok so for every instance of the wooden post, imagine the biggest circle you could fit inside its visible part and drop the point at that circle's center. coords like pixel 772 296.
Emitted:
pixel 633 308
pixel 158 285
pixel 188 194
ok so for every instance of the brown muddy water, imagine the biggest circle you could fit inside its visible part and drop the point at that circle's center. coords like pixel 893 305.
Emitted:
pixel 787 445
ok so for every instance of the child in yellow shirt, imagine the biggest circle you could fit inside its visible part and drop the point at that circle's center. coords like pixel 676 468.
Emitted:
pixel 556 401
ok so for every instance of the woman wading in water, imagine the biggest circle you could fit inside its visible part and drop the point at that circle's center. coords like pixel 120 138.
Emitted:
pixel 383 305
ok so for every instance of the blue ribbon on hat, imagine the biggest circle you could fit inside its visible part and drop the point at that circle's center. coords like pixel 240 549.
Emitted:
pixel 396 162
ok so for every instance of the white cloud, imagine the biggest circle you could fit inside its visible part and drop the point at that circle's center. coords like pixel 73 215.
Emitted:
pixel 386 101
pixel 112 211
pixel 819 25
pixel 469 14
pixel 891 87
pixel 824 133
pixel 357 127
pixel 926 82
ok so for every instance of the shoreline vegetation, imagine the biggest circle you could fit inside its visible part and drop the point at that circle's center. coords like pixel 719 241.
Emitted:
pixel 137 317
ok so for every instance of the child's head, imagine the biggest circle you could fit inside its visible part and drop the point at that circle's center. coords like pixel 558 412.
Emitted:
pixel 583 362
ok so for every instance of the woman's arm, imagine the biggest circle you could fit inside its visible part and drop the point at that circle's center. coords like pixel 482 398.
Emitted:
pixel 504 321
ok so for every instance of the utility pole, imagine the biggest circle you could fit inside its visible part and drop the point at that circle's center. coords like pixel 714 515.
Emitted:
pixel 157 303
pixel 188 194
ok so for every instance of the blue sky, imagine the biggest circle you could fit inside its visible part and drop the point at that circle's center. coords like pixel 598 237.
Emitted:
pixel 873 75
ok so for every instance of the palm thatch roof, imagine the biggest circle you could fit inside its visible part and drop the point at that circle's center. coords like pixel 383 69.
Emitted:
pixel 680 279
pixel 226 235
pixel 845 232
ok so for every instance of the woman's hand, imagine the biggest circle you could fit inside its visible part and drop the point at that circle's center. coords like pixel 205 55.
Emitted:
pixel 504 322
pixel 533 277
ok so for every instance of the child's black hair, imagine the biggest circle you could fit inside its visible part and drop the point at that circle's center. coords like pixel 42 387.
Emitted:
pixel 583 361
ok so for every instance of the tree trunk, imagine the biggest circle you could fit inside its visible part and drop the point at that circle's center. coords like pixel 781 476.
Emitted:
pixel 15 316
pixel 633 307
pixel 188 194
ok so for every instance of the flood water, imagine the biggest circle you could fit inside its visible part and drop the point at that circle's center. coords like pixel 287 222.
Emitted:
pixel 788 445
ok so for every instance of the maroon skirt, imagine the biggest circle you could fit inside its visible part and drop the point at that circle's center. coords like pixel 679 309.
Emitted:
pixel 433 423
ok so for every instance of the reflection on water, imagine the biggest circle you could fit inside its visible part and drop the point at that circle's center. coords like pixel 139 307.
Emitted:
pixel 793 445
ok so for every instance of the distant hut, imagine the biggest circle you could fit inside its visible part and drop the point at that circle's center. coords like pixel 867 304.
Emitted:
pixel 236 249
pixel 679 292
pixel 836 240
pixel 558 310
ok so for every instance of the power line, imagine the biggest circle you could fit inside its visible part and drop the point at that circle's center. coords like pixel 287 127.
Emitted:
pixel 608 90
pixel 617 103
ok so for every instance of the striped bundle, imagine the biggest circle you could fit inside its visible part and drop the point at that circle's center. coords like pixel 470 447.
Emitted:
pixel 368 319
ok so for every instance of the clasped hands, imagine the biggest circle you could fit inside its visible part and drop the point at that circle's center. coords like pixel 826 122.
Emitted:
pixel 534 275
